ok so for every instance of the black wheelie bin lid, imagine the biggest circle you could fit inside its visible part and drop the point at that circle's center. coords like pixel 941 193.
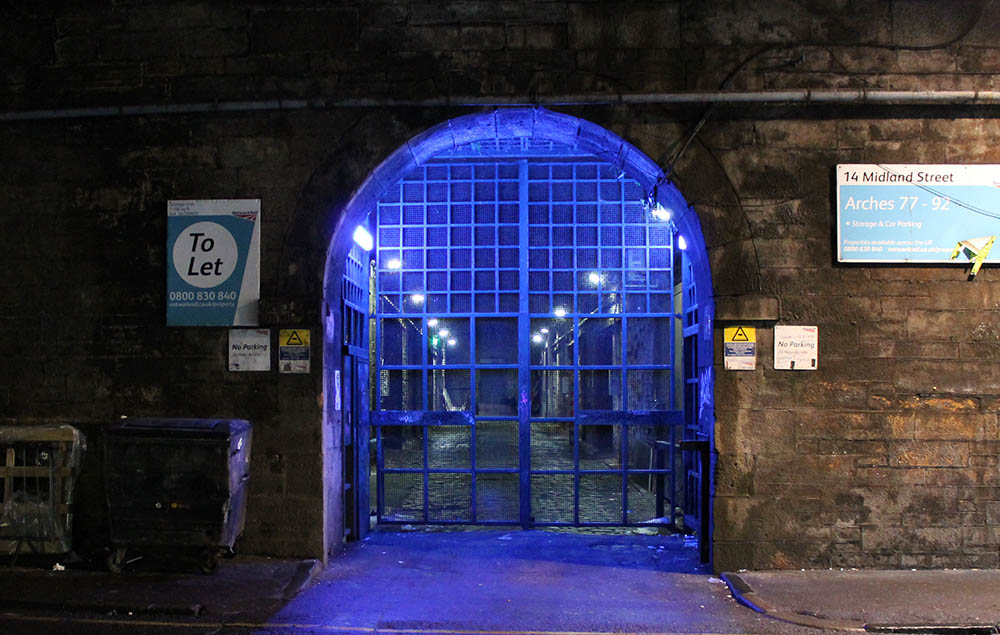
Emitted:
pixel 179 427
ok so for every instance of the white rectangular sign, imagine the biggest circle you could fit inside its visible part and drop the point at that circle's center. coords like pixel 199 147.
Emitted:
pixel 336 389
pixel 249 350
pixel 796 347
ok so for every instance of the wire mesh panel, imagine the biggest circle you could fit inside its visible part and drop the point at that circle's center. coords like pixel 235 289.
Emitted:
pixel 498 497
pixel 534 296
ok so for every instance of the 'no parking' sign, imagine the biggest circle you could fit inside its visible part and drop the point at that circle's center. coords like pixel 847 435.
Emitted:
pixel 213 262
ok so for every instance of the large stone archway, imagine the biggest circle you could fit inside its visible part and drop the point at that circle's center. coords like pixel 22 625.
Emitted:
pixel 501 123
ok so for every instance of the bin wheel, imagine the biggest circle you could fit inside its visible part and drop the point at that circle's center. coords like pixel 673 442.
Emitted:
pixel 115 560
pixel 231 552
pixel 208 561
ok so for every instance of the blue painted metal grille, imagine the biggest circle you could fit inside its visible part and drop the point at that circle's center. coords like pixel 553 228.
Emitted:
pixel 354 290
pixel 534 298
pixel 694 475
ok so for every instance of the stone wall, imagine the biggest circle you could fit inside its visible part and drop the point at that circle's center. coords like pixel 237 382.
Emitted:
pixel 886 456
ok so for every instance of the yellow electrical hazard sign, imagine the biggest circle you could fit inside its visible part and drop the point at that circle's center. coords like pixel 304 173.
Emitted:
pixel 740 348
pixel 293 351
pixel 293 337
pixel 740 334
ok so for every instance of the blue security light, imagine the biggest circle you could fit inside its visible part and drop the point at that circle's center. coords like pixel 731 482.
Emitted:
pixel 681 243
pixel 363 238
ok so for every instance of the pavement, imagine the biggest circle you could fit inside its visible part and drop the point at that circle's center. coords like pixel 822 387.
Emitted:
pixel 245 589
pixel 902 601
pixel 540 582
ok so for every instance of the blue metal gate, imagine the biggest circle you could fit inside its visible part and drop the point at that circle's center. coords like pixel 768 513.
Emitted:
pixel 525 335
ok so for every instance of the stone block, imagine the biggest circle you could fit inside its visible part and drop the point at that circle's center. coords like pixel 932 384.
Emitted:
pixel 964 426
pixel 431 13
pixel 817 281
pixel 779 469
pixel 305 479
pixel 959 476
pixel 796 134
pixel 921 376
pixel 925 23
pixel 963 295
pixel 975 59
pixel 881 330
pixel 972 131
pixel 754 432
pixel 750 307
pixel 864 448
pixel 980 536
pixel 490 38
pixel 713 25
pixel 603 26
pixel 821 424
pixel 133 45
pixel 789 220
pixel 721 222
pixel 183 16
pixel 940 540
pixel 516 36
pixel 76 49
pixel 854 368
pixel 545 36
pixel 732 556
pixel 938 61
pixel 929 454
pixel 976 352
pixel 214 43
pixel 790 555
pixel 937 403
pixel 766 174
pixel 882 539
pixel 914 350
pixel 735 518
pixel 179 156
pixel 283 31
pixel 803 253
pixel 237 152
pixel 734 268
pixel 734 475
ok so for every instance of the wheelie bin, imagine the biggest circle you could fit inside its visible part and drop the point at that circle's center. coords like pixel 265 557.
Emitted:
pixel 176 485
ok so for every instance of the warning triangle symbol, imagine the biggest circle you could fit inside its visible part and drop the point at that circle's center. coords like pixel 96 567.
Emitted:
pixel 740 335
pixel 294 340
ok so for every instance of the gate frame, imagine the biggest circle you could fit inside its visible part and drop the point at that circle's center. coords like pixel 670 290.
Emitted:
pixel 536 123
